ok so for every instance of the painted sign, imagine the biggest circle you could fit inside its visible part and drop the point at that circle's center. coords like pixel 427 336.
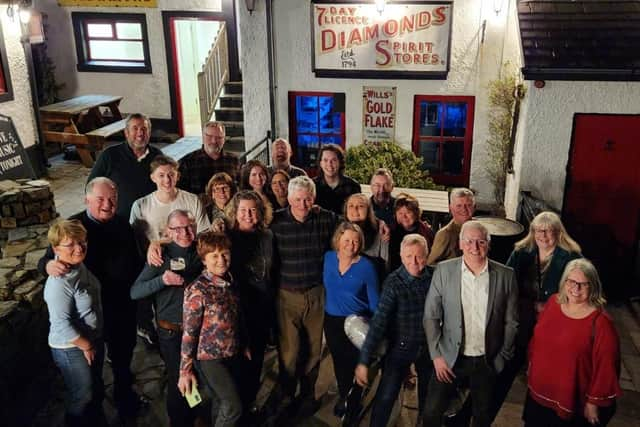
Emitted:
pixel 109 3
pixel 378 114
pixel 14 162
pixel 405 38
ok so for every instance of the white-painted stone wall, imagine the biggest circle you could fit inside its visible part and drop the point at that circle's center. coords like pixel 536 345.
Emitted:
pixel 20 109
pixel 147 93
pixel 542 150
pixel 473 65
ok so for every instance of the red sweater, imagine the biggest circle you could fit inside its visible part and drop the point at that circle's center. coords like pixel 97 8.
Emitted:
pixel 573 361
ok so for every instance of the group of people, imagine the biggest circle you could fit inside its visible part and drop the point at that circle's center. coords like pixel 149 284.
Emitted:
pixel 229 257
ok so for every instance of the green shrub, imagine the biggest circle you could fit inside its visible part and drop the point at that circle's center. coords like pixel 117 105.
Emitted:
pixel 364 159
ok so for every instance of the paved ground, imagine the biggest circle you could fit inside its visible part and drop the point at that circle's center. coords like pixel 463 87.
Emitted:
pixel 67 181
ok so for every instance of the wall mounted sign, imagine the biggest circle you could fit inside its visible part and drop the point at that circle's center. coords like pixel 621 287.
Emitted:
pixel 378 114
pixel 408 39
pixel 109 3
pixel 14 162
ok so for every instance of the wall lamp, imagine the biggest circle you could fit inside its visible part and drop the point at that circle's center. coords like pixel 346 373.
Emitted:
pixel 251 5
pixel 380 4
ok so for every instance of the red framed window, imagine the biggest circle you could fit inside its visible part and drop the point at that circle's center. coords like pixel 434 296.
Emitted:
pixel 6 91
pixel 443 136
pixel 111 42
pixel 315 118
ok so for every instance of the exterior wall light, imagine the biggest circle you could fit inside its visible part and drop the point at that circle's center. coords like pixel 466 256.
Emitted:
pixel 380 4
pixel 251 6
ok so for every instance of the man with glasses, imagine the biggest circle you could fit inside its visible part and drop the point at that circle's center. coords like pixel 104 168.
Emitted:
pixel 199 166
pixel 111 257
pixel 471 320
pixel 165 285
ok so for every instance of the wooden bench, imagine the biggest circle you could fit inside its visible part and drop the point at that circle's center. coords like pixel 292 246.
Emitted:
pixel 433 203
pixel 82 122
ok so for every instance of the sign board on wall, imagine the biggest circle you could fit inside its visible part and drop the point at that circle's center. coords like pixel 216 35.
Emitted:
pixel 408 39
pixel 14 162
pixel 378 114
pixel 109 3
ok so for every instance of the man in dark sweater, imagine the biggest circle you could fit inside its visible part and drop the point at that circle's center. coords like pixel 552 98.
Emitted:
pixel 302 235
pixel 128 164
pixel 113 258
pixel 165 284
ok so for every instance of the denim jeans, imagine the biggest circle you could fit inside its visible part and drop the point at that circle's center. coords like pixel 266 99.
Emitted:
pixel 85 388
pixel 179 412
pixel 396 368
pixel 218 376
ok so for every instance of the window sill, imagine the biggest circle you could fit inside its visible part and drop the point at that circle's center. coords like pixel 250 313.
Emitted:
pixel 115 67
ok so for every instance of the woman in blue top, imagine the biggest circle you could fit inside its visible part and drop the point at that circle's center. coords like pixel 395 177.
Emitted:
pixel 351 285
pixel 75 315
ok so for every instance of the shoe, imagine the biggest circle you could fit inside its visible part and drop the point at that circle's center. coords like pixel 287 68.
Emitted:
pixel 148 337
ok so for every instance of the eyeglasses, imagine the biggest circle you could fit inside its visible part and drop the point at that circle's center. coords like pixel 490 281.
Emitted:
pixel 222 189
pixel 82 244
pixel 481 242
pixel 184 228
pixel 573 284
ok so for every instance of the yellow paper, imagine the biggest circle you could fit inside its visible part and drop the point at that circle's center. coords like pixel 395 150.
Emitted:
pixel 193 398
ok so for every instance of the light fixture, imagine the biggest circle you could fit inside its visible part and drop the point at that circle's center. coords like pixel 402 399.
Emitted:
pixel 25 15
pixel 251 5
pixel 380 4
pixel 497 6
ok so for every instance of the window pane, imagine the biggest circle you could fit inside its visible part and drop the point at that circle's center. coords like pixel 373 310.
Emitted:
pixel 325 139
pixel 453 157
pixel 456 119
pixel 100 30
pixel 430 153
pixel 430 118
pixel 329 119
pixel 116 50
pixel 307 113
pixel 129 30
pixel 307 151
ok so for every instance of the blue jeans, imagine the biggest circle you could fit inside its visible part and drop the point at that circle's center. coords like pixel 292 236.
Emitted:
pixel 396 368
pixel 85 388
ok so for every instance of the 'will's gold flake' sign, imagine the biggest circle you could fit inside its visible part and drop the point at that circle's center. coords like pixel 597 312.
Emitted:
pixel 109 3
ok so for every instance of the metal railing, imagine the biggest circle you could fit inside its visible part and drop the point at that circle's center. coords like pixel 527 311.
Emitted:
pixel 260 151
pixel 214 74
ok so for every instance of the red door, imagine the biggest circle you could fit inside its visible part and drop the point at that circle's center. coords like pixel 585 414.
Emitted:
pixel 602 196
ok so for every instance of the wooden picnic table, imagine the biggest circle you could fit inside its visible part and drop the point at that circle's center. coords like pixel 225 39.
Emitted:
pixel 85 121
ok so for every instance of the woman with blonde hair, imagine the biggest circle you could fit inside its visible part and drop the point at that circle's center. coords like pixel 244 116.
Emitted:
pixel 574 355
pixel 538 260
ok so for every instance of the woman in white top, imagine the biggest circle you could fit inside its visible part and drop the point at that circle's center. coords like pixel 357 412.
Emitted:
pixel 149 213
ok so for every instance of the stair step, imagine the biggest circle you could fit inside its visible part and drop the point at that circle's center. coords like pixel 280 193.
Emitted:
pixel 233 88
pixel 231 101
pixel 233 128
pixel 234 143
pixel 229 113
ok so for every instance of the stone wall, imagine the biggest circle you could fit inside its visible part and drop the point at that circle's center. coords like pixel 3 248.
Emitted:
pixel 26 208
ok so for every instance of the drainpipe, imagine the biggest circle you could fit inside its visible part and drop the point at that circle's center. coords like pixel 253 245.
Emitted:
pixel 270 57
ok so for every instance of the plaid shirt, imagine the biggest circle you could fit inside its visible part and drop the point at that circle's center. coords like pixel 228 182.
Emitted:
pixel 301 246
pixel 333 198
pixel 399 314
pixel 197 168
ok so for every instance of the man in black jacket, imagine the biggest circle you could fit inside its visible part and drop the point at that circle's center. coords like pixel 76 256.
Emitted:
pixel 113 258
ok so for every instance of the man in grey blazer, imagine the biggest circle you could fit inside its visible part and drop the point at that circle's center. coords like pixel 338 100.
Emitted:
pixel 470 319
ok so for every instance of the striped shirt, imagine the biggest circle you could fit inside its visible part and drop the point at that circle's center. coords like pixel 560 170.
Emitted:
pixel 301 246
pixel 197 168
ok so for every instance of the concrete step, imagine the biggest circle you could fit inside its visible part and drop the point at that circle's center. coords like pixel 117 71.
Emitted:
pixel 233 87
pixel 231 100
pixel 229 114
pixel 233 128
pixel 234 144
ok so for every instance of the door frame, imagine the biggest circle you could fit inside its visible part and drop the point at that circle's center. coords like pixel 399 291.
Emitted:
pixel 228 16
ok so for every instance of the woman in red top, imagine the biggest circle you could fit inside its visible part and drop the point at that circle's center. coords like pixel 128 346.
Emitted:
pixel 574 355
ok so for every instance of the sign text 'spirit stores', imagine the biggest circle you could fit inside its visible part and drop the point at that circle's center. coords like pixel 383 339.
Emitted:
pixel 405 37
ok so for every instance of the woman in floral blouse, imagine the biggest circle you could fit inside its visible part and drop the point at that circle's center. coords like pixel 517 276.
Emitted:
pixel 212 330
